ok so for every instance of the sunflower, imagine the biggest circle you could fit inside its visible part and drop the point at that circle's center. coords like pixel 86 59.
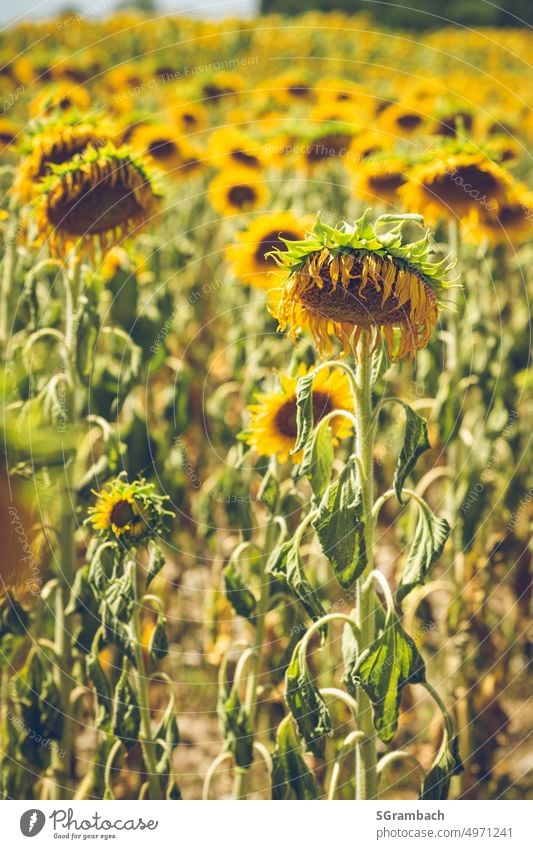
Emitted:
pixel 453 184
pixel 98 197
pixel 131 513
pixel 367 144
pixel 8 134
pixel 233 148
pixel 54 145
pixel 290 89
pixel 511 222
pixel 164 149
pixel 247 257
pixel 379 177
pixel 342 281
pixel 328 144
pixel 222 85
pixel 62 97
pixel 272 430
pixel 237 190
pixel 189 117
pixel 401 120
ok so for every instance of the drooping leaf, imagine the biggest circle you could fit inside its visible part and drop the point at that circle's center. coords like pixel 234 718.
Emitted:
pixel 318 459
pixel 340 526
pixel 428 543
pixel 291 777
pixel 155 564
pixel 238 594
pixel 269 490
pixel 304 411
pixel 350 654
pixel 158 643
pixel 380 362
pixel 126 718
pixel 383 670
pixel 235 726
pixel 415 442
pixel 286 565
pixel 436 784
pixel 102 686
pixel 307 706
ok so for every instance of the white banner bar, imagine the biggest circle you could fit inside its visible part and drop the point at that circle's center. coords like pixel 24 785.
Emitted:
pixel 264 825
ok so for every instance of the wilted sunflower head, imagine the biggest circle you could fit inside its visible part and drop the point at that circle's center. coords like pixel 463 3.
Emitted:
pixel 99 197
pixel 272 430
pixel 451 184
pixel 129 513
pixel 342 281
pixel 54 144
pixel 234 191
pixel 248 257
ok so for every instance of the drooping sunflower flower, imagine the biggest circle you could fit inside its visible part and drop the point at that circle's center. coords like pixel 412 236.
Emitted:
pixel 378 178
pixel 61 97
pixel 237 190
pixel 511 222
pixel 342 281
pixel 248 256
pixel 100 197
pixel 452 184
pixel 272 430
pixel 54 145
pixel 233 148
pixel 129 513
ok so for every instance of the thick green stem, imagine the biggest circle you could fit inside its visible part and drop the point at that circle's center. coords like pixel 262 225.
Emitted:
pixel 8 276
pixel 250 700
pixel 141 689
pixel 366 758
pixel 454 453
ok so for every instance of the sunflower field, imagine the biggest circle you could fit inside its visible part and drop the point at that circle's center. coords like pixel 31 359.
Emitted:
pixel 265 491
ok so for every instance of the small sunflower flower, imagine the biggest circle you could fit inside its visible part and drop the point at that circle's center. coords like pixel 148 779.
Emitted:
pixel 342 281
pixel 273 430
pixel 129 513
pixel 238 190
pixel 99 197
pixel 248 256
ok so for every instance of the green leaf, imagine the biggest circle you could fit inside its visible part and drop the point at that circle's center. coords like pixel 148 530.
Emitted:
pixel 340 526
pixel 269 490
pixel 238 594
pixel 307 705
pixel 88 327
pixel 286 565
pixel 81 595
pixel 304 411
pixel 126 717
pixel 429 540
pixel 155 564
pixel 236 727
pixel 436 784
pixel 380 362
pixel 13 618
pixel 350 654
pixel 291 777
pixel 383 670
pixel 415 442
pixel 318 459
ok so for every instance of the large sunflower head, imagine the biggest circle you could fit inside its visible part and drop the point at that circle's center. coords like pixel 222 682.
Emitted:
pixel 402 120
pixel 510 222
pixel 452 184
pixel 129 513
pixel 342 281
pixel 54 144
pixel 98 197
pixel 237 190
pixel 248 257
pixel 272 430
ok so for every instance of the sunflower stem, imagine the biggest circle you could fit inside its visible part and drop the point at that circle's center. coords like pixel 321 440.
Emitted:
pixel 366 758
pixel 141 687
pixel 8 274
pixel 250 700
